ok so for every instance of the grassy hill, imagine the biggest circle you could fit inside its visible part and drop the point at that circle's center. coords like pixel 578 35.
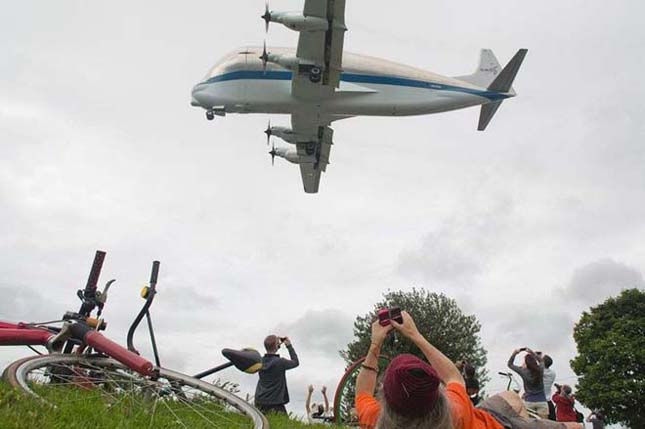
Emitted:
pixel 81 409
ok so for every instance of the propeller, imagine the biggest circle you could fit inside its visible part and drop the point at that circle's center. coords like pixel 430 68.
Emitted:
pixel 266 17
pixel 273 154
pixel 264 58
pixel 268 132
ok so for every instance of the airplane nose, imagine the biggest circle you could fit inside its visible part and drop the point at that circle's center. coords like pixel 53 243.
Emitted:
pixel 196 97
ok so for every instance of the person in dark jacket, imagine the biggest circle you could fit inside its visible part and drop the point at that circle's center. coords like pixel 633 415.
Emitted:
pixel 271 393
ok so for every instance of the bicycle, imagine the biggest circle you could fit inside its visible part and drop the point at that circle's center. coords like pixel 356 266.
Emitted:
pixel 345 393
pixel 516 388
pixel 511 381
pixel 84 365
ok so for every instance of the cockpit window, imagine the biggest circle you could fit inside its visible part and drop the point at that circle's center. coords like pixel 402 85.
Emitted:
pixel 232 62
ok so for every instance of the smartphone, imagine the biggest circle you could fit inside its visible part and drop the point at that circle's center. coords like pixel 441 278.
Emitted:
pixel 384 317
pixel 523 349
pixel 395 314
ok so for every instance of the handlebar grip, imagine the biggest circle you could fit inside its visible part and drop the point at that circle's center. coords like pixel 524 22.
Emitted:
pixel 115 351
pixel 95 272
pixel 155 273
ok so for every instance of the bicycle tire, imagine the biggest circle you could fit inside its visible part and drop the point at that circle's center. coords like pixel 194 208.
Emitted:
pixel 101 374
pixel 341 416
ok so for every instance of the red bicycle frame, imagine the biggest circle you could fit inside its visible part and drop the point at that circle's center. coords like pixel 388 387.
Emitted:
pixel 22 335
pixel 78 327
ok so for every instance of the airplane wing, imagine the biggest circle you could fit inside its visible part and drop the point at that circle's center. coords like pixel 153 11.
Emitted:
pixel 320 50
pixel 318 138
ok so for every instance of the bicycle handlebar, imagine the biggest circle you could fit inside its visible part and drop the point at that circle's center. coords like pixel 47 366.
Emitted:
pixel 115 351
pixel 154 274
pixel 88 295
pixel 104 345
pixel 149 298
pixel 95 272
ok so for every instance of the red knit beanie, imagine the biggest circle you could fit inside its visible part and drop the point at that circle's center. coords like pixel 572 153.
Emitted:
pixel 411 386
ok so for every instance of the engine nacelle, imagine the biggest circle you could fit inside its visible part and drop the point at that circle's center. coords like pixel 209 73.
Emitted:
pixel 285 134
pixel 298 22
pixel 291 155
pixel 289 62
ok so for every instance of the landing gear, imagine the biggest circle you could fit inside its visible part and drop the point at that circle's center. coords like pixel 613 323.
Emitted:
pixel 315 74
pixel 210 115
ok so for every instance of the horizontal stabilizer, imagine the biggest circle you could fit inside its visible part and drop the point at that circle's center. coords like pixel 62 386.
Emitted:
pixel 504 81
pixel 487 113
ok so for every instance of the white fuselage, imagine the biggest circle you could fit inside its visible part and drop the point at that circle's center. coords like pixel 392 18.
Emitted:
pixel 369 87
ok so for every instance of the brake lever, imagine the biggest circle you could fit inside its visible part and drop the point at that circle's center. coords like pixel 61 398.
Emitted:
pixel 102 296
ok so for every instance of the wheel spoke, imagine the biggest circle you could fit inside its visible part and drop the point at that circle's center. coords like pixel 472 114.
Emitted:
pixel 65 380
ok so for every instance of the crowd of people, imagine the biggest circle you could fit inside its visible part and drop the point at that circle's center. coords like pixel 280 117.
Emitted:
pixel 538 379
pixel 436 393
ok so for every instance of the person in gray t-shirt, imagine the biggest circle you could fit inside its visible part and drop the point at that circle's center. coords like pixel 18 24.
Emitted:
pixel 271 393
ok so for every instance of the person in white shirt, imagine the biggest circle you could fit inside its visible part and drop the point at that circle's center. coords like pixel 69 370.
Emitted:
pixel 549 379
pixel 316 413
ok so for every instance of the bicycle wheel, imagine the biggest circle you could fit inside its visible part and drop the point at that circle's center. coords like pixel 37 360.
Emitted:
pixel 345 392
pixel 113 391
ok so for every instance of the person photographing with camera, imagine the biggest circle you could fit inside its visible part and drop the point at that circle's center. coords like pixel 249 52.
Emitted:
pixel 271 393
pixel 532 373
pixel 420 395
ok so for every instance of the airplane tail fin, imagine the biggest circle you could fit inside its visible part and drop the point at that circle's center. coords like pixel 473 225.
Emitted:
pixel 486 72
pixel 503 83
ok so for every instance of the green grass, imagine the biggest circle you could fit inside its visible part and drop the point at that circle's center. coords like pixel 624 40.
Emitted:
pixel 81 409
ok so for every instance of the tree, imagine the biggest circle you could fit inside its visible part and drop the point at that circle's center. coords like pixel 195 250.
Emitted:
pixel 438 318
pixel 611 358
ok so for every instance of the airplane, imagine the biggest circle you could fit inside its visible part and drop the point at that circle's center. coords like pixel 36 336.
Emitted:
pixel 318 83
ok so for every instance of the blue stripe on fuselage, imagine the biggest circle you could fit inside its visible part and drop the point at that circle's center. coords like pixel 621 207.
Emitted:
pixel 358 78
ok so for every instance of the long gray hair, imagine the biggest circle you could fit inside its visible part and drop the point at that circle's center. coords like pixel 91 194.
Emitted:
pixel 438 418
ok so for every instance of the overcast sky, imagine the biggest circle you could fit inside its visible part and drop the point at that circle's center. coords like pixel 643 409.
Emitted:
pixel 525 225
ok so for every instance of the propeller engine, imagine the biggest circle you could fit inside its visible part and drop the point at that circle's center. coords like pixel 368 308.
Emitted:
pixel 291 155
pixel 268 132
pixel 273 153
pixel 289 62
pixel 284 133
pixel 267 17
pixel 294 20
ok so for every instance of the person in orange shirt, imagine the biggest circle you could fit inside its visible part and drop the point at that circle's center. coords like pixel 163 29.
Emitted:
pixel 420 395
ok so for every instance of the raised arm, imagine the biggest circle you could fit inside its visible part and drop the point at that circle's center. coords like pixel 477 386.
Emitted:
pixel 324 393
pixel 310 390
pixel 446 369
pixel 366 380
pixel 293 362
pixel 511 362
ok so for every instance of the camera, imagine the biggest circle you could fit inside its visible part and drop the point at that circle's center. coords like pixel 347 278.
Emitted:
pixel 387 314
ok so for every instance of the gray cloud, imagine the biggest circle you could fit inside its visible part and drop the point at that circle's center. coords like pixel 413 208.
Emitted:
pixel 548 329
pixel 457 251
pixel 323 332
pixel 596 281
pixel 24 304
